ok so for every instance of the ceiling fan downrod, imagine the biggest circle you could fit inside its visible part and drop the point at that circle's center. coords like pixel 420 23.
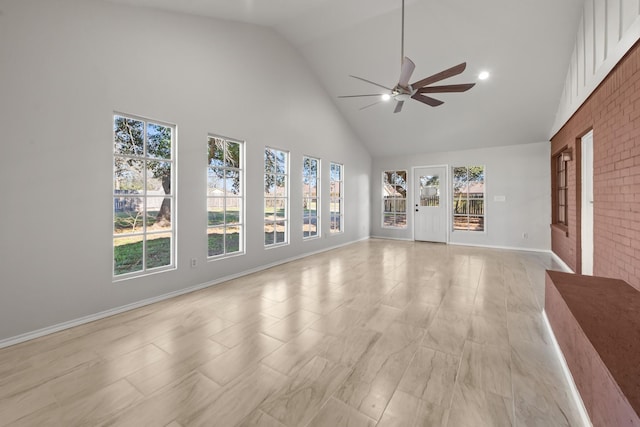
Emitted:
pixel 402 37
pixel 404 91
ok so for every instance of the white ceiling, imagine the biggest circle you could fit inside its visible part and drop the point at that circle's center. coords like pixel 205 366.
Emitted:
pixel 525 44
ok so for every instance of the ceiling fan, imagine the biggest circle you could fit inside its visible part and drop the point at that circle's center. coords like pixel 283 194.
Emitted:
pixel 404 91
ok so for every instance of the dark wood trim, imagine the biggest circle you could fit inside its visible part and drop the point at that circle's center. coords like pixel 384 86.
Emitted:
pixel 562 228
pixel 554 190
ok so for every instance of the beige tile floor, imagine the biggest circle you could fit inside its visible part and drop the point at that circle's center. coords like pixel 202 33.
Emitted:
pixel 380 332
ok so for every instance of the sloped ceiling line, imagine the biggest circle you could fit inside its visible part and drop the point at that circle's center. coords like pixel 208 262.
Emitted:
pixel 525 45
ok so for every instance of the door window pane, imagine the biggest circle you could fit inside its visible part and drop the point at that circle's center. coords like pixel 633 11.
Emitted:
pixel 430 190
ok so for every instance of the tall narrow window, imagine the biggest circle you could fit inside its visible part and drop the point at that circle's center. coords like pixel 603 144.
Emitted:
pixel 143 195
pixel 561 189
pixel 225 197
pixel 310 200
pixel 276 197
pixel 468 198
pixel 394 199
pixel 336 198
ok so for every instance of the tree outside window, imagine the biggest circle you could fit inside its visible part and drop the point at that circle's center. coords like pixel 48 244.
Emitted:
pixel 310 199
pixel 468 198
pixel 143 195
pixel 276 197
pixel 336 198
pixel 394 199
pixel 225 198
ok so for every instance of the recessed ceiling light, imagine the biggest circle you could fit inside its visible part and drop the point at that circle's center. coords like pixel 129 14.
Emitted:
pixel 484 75
pixel 386 97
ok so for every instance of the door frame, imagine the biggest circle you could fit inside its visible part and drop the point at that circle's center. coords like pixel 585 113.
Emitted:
pixel 586 205
pixel 446 193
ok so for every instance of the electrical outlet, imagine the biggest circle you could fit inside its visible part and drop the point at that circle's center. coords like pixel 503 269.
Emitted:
pixel 194 262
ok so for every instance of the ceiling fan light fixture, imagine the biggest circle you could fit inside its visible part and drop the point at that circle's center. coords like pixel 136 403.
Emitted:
pixel 484 75
pixel 404 91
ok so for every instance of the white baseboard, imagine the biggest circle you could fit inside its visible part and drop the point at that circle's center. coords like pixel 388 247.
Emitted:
pixel 474 245
pixel 509 248
pixel 132 306
pixel 402 239
pixel 563 264
pixel 586 421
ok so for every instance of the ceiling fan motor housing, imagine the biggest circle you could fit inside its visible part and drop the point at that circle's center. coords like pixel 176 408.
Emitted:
pixel 402 97
pixel 404 91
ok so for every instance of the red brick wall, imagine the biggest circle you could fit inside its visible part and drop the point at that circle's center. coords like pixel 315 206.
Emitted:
pixel 613 111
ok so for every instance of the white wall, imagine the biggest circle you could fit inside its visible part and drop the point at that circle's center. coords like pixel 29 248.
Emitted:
pixel 65 66
pixel 521 173
pixel 607 30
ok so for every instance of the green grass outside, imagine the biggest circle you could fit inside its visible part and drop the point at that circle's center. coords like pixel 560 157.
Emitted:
pixel 128 257
pixel 270 212
pixel 217 217
pixel 217 243
pixel 268 237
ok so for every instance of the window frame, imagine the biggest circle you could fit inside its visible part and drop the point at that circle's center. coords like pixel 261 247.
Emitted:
pixel 145 158
pixel 468 200
pixel 307 197
pixel 241 224
pixel 560 184
pixel 394 212
pixel 336 200
pixel 286 197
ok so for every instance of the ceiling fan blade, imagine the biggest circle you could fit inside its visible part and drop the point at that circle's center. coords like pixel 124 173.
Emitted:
pixel 370 105
pixel 405 73
pixel 446 88
pixel 370 82
pixel 427 100
pixel 450 72
pixel 359 96
pixel 398 107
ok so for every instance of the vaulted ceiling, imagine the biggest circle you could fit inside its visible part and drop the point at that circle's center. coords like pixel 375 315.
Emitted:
pixel 524 44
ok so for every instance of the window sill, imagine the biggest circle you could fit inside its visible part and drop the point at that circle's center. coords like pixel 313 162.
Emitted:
pixel 137 275
pixel 225 256
pixel 561 227
pixel 276 245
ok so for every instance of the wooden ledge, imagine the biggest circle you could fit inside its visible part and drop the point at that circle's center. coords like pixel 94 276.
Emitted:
pixel 608 313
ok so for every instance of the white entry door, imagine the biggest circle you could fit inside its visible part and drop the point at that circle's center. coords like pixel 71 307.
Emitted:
pixel 430 200
pixel 587 204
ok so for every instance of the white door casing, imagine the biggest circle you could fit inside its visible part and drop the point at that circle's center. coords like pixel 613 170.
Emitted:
pixel 430 204
pixel 587 204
